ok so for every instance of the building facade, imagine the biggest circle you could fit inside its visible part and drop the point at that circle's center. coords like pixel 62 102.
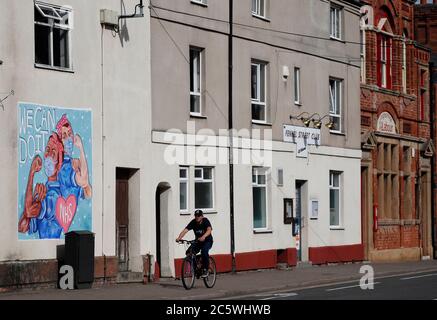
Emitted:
pixel 60 60
pixel 296 182
pixel 426 34
pixel 396 134
pixel 120 127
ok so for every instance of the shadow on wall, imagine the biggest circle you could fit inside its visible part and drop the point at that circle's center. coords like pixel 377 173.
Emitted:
pixel 123 31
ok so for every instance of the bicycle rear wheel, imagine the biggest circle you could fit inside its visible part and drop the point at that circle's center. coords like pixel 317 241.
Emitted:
pixel 212 274
pixel 188 273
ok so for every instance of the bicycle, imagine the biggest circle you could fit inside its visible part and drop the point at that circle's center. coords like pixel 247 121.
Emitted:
pixel 192 268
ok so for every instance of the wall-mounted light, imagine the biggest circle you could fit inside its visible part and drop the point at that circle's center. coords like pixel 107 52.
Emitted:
pixel 316 119
pixel 285 73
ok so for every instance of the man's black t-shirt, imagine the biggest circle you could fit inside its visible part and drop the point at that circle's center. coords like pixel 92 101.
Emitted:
pixel 200 229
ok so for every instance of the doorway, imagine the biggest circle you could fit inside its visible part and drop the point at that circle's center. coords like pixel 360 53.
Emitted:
pixel 162 199
pixel 127 213
pixel 300 231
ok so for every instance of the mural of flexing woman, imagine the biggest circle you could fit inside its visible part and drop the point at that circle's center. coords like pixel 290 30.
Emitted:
pixel 53 204
pixel 41 204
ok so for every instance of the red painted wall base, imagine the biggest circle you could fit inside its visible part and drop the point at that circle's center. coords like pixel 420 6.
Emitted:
pixel 349 253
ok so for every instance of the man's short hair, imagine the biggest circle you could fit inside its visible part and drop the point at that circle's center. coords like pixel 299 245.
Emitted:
pixel 198 213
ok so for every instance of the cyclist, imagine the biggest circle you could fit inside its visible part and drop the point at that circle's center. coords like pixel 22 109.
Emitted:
pixel 203 231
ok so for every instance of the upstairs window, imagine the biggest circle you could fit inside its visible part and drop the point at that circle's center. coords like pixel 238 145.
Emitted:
pixel 196 81
pixel 336 22
pixel 335 103
pixel 423 93
pixel 384 50
pixel 297 98
pixel 53 25
pixel 258 88
pixel 259 8
pixel 384 61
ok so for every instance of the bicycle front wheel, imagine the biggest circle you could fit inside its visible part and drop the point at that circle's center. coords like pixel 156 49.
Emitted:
pixel 212 274
pixel 188 273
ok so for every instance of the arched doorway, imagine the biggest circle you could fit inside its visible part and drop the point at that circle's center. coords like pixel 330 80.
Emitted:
pixel 162 200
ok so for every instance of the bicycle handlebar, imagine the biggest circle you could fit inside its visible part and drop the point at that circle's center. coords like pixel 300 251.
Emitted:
pixel 186 241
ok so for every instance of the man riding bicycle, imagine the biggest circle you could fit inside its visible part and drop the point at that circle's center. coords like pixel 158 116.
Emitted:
pixel 203 232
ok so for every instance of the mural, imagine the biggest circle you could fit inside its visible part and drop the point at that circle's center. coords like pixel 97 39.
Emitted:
pixel 54 171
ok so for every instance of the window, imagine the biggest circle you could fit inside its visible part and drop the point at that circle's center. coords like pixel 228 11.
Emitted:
pixel 363 55
pixel 202 2
pixel 423 91
pixel 334 198
pixel 384 54
pixel 53 25
pixel 336 21
pixel 203 188
pixel 388 180
pixel 259 8
pixel 196 81
pixel 259 194
pixel 404 63
pixel 297 99
pixel 258 86
pixel 183 189
pixel 408 190
pixel 335 103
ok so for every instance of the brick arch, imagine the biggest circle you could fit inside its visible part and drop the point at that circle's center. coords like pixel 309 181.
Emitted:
pixel 385 11
pixel 389 108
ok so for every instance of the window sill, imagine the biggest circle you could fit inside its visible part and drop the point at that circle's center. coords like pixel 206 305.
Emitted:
pixel 261 123
pixel 197 116
pixel 337 39
pixel 199 3
pixel 298 104
pixel 262 231
pixel 338 133
pixel 185 213
pixel 46 67
pixel 260 17
pixel 336 228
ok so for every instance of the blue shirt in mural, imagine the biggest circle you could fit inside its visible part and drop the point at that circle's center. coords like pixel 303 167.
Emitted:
pixel 67 180
pixel 46 223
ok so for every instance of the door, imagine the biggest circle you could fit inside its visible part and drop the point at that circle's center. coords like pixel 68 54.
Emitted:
pixel 122 223
pixel 299 219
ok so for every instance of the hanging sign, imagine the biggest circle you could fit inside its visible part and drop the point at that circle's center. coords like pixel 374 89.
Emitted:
pixel 302 137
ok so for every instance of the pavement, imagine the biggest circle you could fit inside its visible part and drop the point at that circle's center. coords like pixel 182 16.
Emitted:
pixel 233 286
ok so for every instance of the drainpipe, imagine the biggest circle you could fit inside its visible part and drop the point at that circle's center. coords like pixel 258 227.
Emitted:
pixel 432 84
pixel 231 127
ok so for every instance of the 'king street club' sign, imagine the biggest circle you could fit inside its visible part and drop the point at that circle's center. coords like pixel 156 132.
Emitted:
pixel 302 137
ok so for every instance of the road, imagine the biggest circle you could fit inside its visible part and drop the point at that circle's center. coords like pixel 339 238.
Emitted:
pixel 418 286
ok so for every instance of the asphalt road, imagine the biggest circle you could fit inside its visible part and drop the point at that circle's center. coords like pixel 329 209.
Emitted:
pixel 420 286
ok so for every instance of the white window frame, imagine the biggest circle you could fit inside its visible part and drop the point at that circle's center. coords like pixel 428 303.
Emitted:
pixel 340 196
pixel 336 21
pixel 203 180
pixel 257 171
pixel 186 180
pixel 297 87
pixel 259 8
pixel 384 62
pixel 196 78
pixel 363 55
pixel 257 100
pixel 336 101
pixel 54 22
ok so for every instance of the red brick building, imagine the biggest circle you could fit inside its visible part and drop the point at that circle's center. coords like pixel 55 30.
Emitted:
pixel 396 134
pixel 426 34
